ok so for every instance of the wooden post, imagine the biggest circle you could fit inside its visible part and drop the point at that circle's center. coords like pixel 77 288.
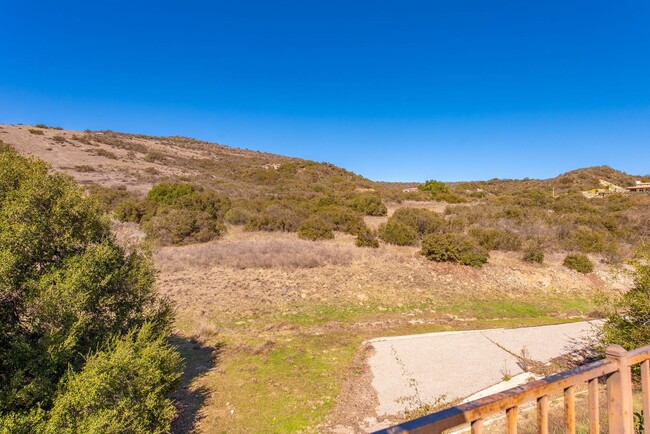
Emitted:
pixel 645 386
pixel 570 410
pixel 594 411
pixel 477 426
pixel 619 393
pixel 511 420
pixel 542 415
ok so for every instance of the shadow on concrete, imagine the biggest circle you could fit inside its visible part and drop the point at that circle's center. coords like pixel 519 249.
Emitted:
pixel 189 399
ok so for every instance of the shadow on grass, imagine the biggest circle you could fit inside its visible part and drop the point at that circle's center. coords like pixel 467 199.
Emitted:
pixel 198 359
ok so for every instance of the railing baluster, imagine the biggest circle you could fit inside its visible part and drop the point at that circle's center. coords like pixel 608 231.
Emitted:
pixel 570 410
pixel 511 415
pixel 645 384
pixel 616 368
pixel 619 393
pixel 594 411
pixel 542 415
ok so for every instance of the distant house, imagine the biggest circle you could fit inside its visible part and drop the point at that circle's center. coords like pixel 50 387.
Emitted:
pixel 640 187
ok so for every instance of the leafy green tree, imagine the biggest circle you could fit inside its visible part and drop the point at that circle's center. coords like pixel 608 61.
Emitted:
pixel 66 288
pixel 99 400
pixel 434 187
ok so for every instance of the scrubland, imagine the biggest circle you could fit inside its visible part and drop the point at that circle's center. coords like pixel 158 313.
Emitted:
pixel 271 325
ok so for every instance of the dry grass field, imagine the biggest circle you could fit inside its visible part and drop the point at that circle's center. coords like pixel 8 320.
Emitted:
pixel 289 316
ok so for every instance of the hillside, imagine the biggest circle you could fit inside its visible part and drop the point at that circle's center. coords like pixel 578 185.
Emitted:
pixel 271 326
pixel 138 161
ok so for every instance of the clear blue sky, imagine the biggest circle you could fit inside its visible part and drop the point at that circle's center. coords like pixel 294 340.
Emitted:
pixel 393 90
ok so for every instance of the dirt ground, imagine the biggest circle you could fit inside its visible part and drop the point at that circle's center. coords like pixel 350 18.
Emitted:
pixel 326 272
pixel 275 287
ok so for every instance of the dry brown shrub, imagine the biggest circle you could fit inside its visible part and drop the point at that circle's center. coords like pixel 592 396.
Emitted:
pixel 273 253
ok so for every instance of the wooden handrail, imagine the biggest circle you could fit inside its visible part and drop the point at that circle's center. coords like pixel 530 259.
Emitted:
pixel 616 368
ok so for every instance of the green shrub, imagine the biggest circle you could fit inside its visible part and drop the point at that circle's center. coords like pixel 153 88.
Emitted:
pixel 369 204
pixel 122 388
pixel 627 317
pixel 449 197
pixel 344 219
pixel 453 248
pixel 181 226
pixel 23 422
pixel 475 257
pixel 512 212
pixel 367 238
pixel 107 197
pixel 276 218
pixel 497 239
pixel 533 254
pixel 315 228
pixel 65 286
pixel 36 132
pixel 422 220
pixel 439 191
pixel 238 216
pixel 135 210
pixel 210 202
pixel 434 187
pixel 395 232
pixel 578 262
pixel 167 193
pixel 587 240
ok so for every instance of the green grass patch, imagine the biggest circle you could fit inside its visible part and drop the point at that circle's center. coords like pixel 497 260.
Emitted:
pixel 282 371
pixel 284 386
pixel 500 308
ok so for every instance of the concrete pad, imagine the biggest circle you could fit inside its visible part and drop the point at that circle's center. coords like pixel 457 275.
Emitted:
pixel 410 370
pixel 544 342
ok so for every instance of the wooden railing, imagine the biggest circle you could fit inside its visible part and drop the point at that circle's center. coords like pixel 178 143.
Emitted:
pixel 615 368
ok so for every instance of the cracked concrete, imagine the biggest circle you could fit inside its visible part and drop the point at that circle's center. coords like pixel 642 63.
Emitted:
pixel 409 370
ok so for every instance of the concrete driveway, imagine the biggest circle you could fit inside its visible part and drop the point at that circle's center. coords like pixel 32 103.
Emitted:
pixel 410 370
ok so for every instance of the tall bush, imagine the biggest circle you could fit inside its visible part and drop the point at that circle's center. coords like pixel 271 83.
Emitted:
pixel 628 318
pixel 181 226
pixel 422 220
pixel 98 399
pixel 316 227
pixel 369 204
pixel 497 239
pixel 65 287
pixel 395 232
pixel 167 193
pixel 453 248
pixel 578 262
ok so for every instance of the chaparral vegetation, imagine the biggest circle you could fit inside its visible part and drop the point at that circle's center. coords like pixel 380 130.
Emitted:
pixel 278 270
